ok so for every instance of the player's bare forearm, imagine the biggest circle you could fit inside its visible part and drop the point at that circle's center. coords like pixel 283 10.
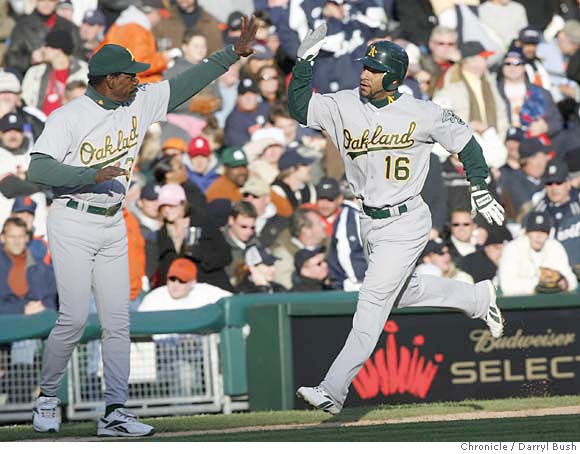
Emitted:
pixel 194 79
pixel 476 169
pixel 44 169
pixel 300 91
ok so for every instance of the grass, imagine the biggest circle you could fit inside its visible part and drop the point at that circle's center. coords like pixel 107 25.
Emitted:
pixel 556 428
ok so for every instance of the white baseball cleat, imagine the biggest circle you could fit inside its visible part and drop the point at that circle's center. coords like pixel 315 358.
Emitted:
pixel 122 423
pixel 46 414
pixel 493 317
pixel 318 398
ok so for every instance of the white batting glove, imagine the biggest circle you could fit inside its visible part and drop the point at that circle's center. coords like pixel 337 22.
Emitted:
pixel 483 202
pixel 312 42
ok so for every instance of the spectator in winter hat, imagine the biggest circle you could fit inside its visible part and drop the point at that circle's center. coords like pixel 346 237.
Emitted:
pixel 43 85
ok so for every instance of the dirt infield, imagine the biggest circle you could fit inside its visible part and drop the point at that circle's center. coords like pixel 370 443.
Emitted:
pixel 470 416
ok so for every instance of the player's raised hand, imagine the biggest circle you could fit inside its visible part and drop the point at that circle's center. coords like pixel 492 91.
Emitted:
pixel 110 173
pixel 312 43
pixel 243 46
pixel 483 202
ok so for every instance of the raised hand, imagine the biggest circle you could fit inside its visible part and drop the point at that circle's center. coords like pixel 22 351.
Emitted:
pixel 312 43
pixel 243 46
pixel 483 202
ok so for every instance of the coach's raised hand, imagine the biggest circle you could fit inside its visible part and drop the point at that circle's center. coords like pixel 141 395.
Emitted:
pixel 243 46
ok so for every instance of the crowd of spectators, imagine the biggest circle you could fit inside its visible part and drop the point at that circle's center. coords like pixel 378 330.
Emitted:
pixel 231 195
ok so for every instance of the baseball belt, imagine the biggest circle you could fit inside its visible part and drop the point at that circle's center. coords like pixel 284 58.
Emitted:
pixel 386 212
pixel 101 211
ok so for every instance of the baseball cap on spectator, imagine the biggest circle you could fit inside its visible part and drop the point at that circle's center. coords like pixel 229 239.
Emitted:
pixel 199 146
pixel 256 255
pixel 435 246
pixel 327 188
pixel 473 48
pixel 148 5
pixel 60 39
pixel 292 158
pixel 572 30
pixel 64 4
pixel 234 157
pixel 183 269
pixel 255 186
pixel 9 82
pixel 171 194
pixel 556 172
pixel 112 58
pixel 515 53
pixel 514 133
pixel 539 222
pixel 276 134
pixel 235 20
pixel 529 147
pixel 150 191
pixel 248 85
pixel 262 52
pixel 11 121
pixel 175 142
pixel 219 211
pixel 24 204
pixel 497 235
pixel 529 35
pixel 94 17
pixel 303 255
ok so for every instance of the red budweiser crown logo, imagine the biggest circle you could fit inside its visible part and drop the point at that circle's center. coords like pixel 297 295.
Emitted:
pixel 395 370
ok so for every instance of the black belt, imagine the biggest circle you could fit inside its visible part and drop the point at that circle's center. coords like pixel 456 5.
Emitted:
pixel 102 211
pixel 386 212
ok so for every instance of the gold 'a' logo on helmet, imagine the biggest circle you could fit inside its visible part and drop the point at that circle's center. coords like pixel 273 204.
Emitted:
pixel 372 51
pixel 130 53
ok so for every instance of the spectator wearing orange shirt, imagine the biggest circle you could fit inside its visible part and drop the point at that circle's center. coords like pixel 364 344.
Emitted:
pixel 132 29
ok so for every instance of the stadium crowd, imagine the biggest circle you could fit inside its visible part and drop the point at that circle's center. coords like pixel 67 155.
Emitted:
pixel 231 195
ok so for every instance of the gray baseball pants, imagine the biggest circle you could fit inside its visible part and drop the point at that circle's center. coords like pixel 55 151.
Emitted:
pixel 393 246
pixel 90 256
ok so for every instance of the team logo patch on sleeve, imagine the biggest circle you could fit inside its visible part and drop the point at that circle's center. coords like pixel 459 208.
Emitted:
pixel 449 115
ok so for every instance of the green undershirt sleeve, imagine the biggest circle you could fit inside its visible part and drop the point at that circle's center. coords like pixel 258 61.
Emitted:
pixel 193 80
pixel 300 91
pixel 44 169
pixel 476 169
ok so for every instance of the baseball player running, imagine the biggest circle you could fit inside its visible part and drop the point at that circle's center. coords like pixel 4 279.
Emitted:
pixel 87 153
pixel 385 139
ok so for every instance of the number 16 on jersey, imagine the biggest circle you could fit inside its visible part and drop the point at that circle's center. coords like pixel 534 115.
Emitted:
pixel 397 168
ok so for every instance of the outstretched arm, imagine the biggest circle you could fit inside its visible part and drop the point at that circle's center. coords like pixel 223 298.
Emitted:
pixel 300 89
pixel 193 80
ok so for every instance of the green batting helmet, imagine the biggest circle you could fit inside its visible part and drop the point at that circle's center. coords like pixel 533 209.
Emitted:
pixel 390 58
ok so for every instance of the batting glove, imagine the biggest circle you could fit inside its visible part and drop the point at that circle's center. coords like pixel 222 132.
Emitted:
pixel 312 43
pixel 483 202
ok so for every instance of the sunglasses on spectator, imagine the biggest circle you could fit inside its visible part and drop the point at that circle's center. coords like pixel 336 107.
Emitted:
pixel 461 224
pixel 250 195
pixel 513 63
pixel 176 279
pixel 558 183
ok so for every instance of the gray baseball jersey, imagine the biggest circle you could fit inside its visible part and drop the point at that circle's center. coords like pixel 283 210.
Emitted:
pixel 386 151
pixel 79 134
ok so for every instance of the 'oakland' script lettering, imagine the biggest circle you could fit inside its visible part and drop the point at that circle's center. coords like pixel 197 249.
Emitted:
pixel 91 155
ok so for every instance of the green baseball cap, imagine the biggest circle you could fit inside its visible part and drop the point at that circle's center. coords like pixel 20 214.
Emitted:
pixel 234 157
pixel 112 58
